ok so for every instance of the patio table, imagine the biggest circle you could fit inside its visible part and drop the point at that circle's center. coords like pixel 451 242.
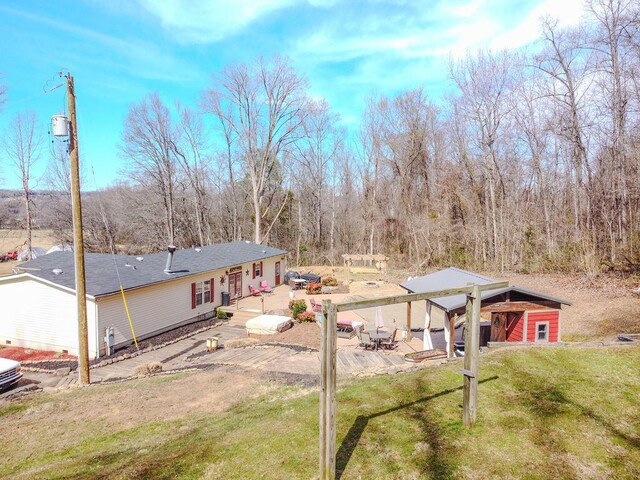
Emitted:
pixel 299 282
pixel 379 336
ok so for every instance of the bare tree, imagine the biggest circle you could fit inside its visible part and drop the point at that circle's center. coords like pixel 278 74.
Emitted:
pixel 22 147
pixel 195 166
pixel 149 144
pixel 263 107
pixel 315 153
pixel 57 179
pixel 486 82
pixel 566 63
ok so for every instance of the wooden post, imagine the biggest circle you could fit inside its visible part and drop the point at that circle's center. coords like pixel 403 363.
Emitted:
pixel 331 393
pixel 408 321
pixel 471 354
pixel 78 241
pixel 323 385
pixel 328 392
pixel 262 303
pixel 452 335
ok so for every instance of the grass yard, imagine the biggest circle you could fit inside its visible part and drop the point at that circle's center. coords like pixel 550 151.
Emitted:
pixel 543 413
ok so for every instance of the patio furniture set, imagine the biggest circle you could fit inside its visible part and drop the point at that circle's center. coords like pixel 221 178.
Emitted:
pixel 263 288
pixel 376 339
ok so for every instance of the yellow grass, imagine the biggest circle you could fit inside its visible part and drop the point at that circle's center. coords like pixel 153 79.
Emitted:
pixel 14 239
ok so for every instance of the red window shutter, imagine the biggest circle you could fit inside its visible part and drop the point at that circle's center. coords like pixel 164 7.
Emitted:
pixel 254 270
pixel 261 270
pixel 193 295
pixel 212 284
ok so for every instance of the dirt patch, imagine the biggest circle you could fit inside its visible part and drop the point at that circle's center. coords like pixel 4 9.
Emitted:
pixel 20 354
pixel 303 334
pixel 164 397
pixel 603 305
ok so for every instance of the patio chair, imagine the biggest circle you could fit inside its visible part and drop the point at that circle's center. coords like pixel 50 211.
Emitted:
pixel 265 287
pixel 391 343
pixel 315 306
pixel 254 291
pixel 365 339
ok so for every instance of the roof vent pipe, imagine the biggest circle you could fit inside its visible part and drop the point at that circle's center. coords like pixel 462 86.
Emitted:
pixel 167 267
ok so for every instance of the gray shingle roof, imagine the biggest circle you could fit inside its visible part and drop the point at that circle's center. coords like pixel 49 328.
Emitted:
pixel 455 278
pixel 102 279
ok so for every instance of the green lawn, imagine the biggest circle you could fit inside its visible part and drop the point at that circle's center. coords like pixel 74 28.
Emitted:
pixel 546 413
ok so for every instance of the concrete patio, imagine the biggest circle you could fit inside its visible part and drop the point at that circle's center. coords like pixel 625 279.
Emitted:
pixel 395 316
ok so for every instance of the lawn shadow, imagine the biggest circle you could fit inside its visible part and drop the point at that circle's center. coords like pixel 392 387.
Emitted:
pixel 547 402
pixel 358 427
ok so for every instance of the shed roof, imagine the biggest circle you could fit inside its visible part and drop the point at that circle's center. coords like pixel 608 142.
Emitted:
pixel 455 278
pixel 101 276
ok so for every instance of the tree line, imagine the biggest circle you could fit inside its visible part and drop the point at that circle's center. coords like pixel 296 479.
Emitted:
pixel 531 165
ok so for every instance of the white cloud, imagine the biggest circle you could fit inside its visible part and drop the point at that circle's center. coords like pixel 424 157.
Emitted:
pixel 567 12
pixel 434 31
pixel 210 21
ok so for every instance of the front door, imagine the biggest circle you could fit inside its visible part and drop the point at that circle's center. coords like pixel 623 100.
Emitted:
pixel 277 273
pixel 499 327
pixel 235 284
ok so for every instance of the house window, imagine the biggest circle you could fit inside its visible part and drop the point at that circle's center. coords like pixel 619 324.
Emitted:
pixel 207 291
pixel 257 269
pixel 542 332
pixel 203 292
pixel 198 293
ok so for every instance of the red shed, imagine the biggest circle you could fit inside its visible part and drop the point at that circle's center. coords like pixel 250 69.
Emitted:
pixel 512 314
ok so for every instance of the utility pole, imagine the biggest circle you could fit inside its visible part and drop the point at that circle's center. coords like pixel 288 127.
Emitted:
pixel 78 242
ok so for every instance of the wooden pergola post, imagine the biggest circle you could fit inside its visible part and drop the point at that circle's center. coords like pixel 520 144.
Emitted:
pixel 471 354
pixel 452 335
pixel 409 321
pixel 328 391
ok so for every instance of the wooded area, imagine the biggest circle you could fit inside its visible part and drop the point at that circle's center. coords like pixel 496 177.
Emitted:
pixel 531 165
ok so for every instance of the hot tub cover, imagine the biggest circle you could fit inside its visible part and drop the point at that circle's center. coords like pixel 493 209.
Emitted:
pixel 268 324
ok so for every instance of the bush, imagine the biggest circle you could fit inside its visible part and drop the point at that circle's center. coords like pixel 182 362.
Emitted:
pixel 297 307
pixel 306 317
pixel 330 282
pixel 147 368
pixel 221 315
pixel 313 288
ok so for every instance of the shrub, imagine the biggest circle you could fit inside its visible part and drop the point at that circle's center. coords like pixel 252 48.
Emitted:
pixel 330 281
pixel 306 317
pixel 313 288
pixel 147 368
pixel 221 315
pixel 297 307
pixel 241 342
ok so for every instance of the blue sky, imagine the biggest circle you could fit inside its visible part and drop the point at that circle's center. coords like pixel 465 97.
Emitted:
pixel 118 51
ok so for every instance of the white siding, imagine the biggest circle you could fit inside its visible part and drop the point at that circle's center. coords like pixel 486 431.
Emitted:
pixel 42 316
pixel 154 308
pixel 39 315
pixel 269 274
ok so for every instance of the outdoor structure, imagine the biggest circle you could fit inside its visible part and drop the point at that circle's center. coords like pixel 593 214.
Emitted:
pixel 515 314
pixel 380 262
pixel 328 359
pixel 162 291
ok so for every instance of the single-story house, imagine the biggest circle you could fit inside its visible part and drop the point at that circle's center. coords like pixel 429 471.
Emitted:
pixel 163 291
pixel 516 314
